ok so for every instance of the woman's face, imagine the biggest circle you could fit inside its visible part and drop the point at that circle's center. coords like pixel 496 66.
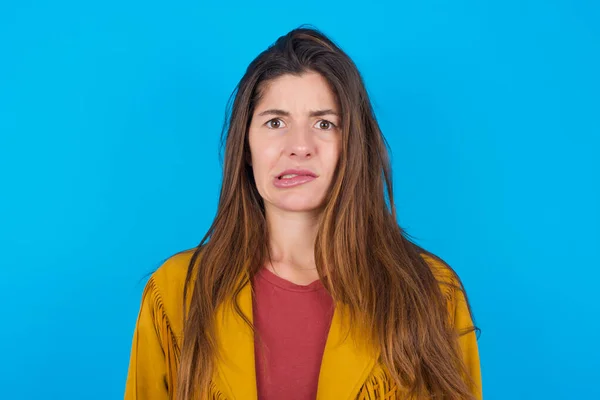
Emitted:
pixel 295 141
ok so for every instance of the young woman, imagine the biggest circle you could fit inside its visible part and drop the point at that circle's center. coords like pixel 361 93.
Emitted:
pixel 304 286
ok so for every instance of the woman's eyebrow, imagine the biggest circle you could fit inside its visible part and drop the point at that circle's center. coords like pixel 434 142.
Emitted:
pixel 316 113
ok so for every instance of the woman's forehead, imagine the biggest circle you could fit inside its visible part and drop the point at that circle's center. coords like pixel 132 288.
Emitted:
pixel 294 93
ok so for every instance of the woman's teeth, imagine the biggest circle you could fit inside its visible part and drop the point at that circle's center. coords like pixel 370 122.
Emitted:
pixel 288 176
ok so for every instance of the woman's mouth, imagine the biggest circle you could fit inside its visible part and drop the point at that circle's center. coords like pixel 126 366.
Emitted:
pixel 287 180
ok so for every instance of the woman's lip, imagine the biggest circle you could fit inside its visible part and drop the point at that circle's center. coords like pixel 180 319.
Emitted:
pixel 297 171
pixel 294 181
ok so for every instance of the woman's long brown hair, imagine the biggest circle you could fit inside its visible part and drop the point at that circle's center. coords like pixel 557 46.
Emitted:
pixel 372 265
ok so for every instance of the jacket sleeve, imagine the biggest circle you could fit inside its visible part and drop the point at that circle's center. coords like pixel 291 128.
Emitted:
pixel 147 374
pixel 468 342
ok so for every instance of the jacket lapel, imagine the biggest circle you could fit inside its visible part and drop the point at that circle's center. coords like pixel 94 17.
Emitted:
pixel 346 362
pixel 236 370
pixel 345 366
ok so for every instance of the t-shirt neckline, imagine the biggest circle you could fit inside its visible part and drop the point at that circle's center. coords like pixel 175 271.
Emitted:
pixel 276 280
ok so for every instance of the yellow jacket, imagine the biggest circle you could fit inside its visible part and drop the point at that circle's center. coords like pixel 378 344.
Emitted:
pixel 347 372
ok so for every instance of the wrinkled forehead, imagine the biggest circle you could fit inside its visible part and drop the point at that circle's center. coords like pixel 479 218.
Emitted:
pixel 296 93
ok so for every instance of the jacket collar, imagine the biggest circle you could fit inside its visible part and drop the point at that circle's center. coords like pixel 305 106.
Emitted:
pixel 345 365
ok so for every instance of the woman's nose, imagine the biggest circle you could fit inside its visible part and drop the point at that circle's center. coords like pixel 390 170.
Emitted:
pixel 300 143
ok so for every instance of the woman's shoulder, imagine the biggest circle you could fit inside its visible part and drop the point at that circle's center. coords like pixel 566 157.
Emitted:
pixel 448 280
pixel 170 276
pixel 164 289
pixel 440 269
pixel 453 290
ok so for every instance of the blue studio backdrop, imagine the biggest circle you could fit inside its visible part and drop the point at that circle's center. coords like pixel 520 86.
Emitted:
pixel 110 115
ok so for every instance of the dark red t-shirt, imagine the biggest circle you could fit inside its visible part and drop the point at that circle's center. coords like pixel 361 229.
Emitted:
pixel 293 322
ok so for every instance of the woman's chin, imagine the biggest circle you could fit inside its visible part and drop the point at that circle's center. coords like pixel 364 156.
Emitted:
pixel 298 206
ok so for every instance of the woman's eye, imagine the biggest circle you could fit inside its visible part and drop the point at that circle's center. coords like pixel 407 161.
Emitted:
pixel 325 125
pixel 274 123
pixel 277 123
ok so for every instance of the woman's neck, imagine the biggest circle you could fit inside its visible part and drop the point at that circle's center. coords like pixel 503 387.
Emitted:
pixel 291 245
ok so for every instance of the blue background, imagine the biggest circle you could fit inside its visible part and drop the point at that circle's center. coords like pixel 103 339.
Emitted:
pixel 110 114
